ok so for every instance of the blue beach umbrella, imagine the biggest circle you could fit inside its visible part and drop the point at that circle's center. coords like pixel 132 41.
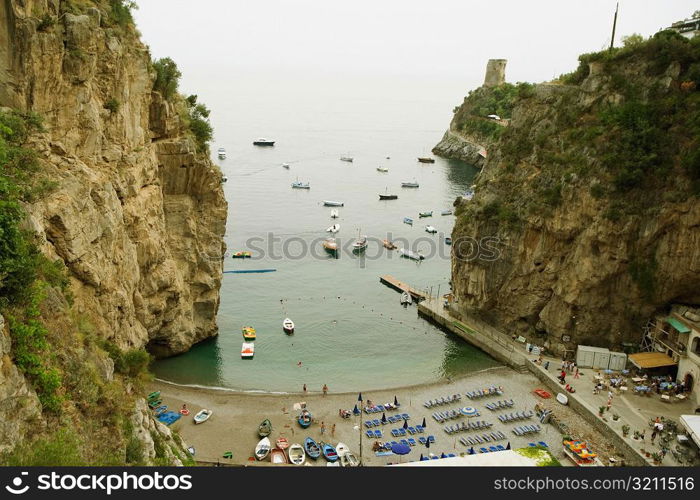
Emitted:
pixel 469 411
pixel 421 457
pixel 442 455
pixel 356 410
pixel 471 451
pixel 400 449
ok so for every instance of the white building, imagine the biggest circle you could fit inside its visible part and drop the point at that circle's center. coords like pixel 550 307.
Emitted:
pixel 688 28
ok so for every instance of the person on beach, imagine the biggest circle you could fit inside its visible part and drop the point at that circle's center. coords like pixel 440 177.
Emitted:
pixel 609 405
pixel 546 365
pixel 325 389
pixel 658 427
pixel 333 430
pixel 576 374
pixel 323 427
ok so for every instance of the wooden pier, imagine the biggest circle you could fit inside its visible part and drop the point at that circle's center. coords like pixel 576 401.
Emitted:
pixel 400 286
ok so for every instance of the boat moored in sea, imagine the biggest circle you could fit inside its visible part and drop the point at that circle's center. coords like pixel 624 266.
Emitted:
pixel 263 142
pixel 247 350
pixel 248 333
pixel 408 220
pixel 346 158
pixel 406 298
pixel 360 244
pixel 410 254
pixel 426 159
pixel 388 245
pixel 430 229
pixel 301 185
pixel 448 240
pixel 382 169
pixel 331 246
pixel 426 214
pixel 221 153
pixel 412 184
pixel 388 196
pixel 334 213
pixel 241 255
pixel 288 325
pixel 333 229
pixel 285 165
pixel 446 212
pixel 330 203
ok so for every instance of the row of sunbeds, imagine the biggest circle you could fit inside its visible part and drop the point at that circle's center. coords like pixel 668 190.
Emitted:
pixel 518 415
pixel 527 429
pixel 443 416
pixel 483 438
pixel 400 417
pixel 418 429
pixel 381 408
pixel 481 393
pixel 467 427
pixel 442 401
pixel 500 405
pixel 408 442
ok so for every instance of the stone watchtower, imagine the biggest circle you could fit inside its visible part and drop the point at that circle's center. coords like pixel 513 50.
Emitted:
pixel 495 72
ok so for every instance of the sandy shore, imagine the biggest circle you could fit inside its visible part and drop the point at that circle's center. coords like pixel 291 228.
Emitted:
pixel 234 423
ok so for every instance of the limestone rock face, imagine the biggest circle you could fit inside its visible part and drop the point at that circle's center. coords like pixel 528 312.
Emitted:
pixel 460 147
pixel 148 430
pixel 139 215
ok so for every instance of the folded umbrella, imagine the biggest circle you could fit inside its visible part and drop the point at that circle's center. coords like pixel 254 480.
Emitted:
pixel 384 418
pixel 424 422
pixel 396 401
pixel 405 424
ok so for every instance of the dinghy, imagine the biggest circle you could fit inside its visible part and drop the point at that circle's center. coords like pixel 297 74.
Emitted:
pixel 296 454
pixel 333 229
pixel 288 325
pixel 426 214
pixel 408 220
pixel 331 246
pixel 448 241
pixel 347 459
pixel 334 213
pixel 406 298
pixel 426 159
pixel 265 428
pixel 278 456
pixel 388 196
pixel 202 416
pixel 430 229
pixel 329 452
pixel 413 184
pixel 263 142
pixel 346 158
pixel 388 244
pixel 241 255
pixel 330 203
pixel 154 395
pixel 563 399
pixel 360 244
pixel 446 212
pixel 304 419
pixel 312 449
pixel 262 449
pixel 248 333
pixel 247 350
pixel 282 443
pixel 285 165
pixel 301 185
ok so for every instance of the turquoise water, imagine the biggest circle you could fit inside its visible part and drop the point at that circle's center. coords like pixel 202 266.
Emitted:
pixel 351 332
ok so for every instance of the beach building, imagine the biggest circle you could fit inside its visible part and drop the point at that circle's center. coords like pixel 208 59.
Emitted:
pixel 673 340
pixel 688 27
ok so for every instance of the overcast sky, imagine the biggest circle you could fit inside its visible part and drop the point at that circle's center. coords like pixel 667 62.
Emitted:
pixel 427 38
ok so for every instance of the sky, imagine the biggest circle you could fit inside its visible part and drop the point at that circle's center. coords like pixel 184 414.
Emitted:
pixel 437 39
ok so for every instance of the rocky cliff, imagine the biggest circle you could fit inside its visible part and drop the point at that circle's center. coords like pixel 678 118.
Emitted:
pixel 138 213
pixel 591 191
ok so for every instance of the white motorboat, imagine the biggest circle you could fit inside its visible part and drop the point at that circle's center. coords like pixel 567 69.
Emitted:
pixel 412 184
pixel 346 158
pixel 301 185
pixel 334 228
pixel 430 229
pixel 330 203
pixel 263 142
pixel 285 165
pixel 334 213
pixel 262 449
pixel 296 453
pixel 247 350
pixel 221 153
pixel 360 244
pixel 410 255
pixel 347 459
pixel 202 416
pixel 288 325
pixel 406 298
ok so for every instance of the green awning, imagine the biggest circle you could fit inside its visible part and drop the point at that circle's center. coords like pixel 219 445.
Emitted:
pixel 678 325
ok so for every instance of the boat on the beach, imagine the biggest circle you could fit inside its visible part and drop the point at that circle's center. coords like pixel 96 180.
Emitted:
pixel 312 449
pixel 430 229
pixel 296 454
pixel 278 456
pixel 346 158
pixel 411 255
pixel 331 246
pixel 446 212
pixel 334 213
pixel 221 153
pixel 263 142
pixel 329 452
pixel 262 449
pixel 243 254
pixel 408 220
pixel 282 443
pixel 202 416
pixel 580 454
pixel 248 332
pixel 301 185
pixel 333 229
pixel 153 396
pixel 265 428
pixel 406 298
pixel 412 184
pixel 382 169
pixel 347 459
pixel 448 240
pixel 389 244
pixel 562 399
pixel 247 350
pixel 288 325
pixel 304 418
pixel 425 214
pixel 330 203
pixel 426 159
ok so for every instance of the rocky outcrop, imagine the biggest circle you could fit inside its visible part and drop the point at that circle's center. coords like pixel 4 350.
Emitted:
pixel 139 215
pixel 158 444
pixel 459 147
pixel 579 260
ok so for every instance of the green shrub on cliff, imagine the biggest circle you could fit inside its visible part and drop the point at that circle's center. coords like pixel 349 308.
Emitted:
pixel 198 118
pixel 167 77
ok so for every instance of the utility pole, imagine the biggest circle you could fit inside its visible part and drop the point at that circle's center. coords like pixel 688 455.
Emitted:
pixel 612 40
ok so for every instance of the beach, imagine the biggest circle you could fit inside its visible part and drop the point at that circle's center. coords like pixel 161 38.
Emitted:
pixel 236 415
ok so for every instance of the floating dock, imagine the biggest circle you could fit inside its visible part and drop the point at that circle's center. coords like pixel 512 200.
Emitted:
pixel 400 286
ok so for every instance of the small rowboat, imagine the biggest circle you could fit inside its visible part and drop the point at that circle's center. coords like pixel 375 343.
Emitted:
pixel 296 454
pixel 301 185
pixel 425 159
pixel 153 396
pixel 263 142
pixel 329 452
pixel 360 244
pixel 262 449
pixel 333 229
pixel 408 220
pixel 446 212
pixel 265 428
pixel 426 214
pixel 388 196
pixel 304 419
pixel 241 255
pixel 382 169
pixel 346 158
pixel 282 443
pixel 154 403
pixel 248 333
pixel 285 165
pixel 347 459
pixel 430 229
pixel 542 393
pixel 184 411
pixel 389 244
pixel 278 456
pixel 448 241
pixel 202 416
pixel 288 325
pixel 410 254
pixel 406 298
pixel 312 449
pixel 563 399
pixel 413 184
pixel 331 246
pixel 330 203
pixel 247 350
